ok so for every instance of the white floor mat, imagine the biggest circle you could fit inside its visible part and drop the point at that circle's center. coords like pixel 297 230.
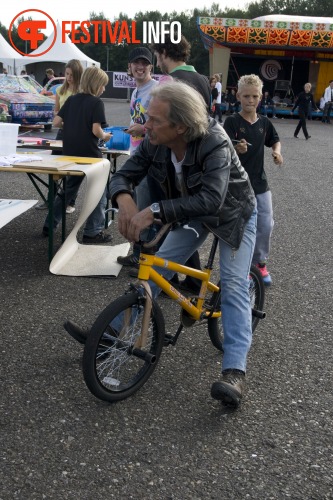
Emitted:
pixel 91 260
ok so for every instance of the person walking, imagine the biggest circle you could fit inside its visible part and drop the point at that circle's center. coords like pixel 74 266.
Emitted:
pixel 303 101
pixel 251 133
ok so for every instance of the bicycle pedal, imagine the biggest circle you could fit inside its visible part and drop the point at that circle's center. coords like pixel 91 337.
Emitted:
pixel 186 319
pixel 168 340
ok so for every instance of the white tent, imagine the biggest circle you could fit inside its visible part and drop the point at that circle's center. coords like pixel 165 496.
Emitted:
pixel 295 19
pixel 8 56
pixel 59 53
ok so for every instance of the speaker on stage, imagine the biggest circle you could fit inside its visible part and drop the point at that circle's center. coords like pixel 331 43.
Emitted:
pixel 282 85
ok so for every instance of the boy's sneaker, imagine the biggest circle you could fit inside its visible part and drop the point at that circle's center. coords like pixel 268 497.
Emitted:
pixel 266 277
pixel 70 209
pixel 231 389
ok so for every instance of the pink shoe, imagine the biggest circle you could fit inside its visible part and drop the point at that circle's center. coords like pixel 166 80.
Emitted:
pixel 266 277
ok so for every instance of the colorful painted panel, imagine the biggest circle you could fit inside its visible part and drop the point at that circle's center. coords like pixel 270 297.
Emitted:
pixel 255 23
pixel 265 33
pixel 216 33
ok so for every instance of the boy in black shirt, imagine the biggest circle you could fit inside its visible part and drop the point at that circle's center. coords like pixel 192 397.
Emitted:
pixel 82 117
pixel 250 133
pixel 304 101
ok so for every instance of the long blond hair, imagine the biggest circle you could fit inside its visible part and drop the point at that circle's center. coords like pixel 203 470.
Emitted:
pixel 77 70
pixel 92 80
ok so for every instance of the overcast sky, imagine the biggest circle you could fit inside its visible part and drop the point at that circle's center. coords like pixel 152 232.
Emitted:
pixel 62 10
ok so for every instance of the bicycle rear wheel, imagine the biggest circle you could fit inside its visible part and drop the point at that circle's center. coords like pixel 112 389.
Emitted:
pixel 257 294
pixel 257 300
pixel 115 366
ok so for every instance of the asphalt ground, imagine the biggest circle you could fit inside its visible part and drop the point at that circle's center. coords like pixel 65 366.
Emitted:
pixel 171 441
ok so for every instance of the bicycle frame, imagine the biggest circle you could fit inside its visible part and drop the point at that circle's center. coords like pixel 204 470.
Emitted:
pixel 146 272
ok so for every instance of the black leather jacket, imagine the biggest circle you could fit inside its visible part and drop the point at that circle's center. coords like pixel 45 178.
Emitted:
pixel 218 189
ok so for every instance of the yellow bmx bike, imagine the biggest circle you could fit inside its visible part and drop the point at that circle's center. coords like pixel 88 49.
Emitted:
pixel 126 340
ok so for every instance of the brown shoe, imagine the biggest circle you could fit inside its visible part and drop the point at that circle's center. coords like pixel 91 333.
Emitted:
pixel 231 389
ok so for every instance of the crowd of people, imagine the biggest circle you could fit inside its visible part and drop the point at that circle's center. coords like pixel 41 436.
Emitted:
pixel 185 163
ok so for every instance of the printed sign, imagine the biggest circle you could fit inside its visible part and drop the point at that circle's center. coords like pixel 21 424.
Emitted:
pixel 123 80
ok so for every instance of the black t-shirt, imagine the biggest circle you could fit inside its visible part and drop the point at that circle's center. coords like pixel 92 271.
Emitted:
pixel 79 113
pixel 215 93
pixel 47 80
pixel 198 81
pixel 260 134
pixel 303 101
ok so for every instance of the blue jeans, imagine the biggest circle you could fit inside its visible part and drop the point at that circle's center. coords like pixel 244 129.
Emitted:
pixel 96 220
pixel 265 223
pixel 180 244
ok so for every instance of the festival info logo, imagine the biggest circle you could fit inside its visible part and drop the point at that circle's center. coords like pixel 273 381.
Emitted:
pixel 33 31
pixel 103 31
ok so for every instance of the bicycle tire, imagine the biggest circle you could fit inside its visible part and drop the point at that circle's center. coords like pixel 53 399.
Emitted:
pixel 113 369
pixel 257 300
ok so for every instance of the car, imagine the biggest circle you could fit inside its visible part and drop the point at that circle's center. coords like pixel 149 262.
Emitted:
pixel 4 114
pixel 50 88
pixel 24 103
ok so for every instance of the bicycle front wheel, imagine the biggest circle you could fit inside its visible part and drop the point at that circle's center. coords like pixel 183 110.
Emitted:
pixel 257 300
pixel 116 360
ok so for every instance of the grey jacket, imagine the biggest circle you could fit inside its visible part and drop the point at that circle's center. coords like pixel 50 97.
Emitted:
pixel 218 188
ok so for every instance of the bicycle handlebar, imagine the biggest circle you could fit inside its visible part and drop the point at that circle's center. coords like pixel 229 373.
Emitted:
pixel 159 235
pixel 207 219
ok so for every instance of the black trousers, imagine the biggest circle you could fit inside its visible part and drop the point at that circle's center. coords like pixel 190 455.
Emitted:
pixel 301 123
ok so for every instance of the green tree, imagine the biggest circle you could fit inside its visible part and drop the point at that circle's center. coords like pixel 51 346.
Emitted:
pixel 316 8
pixel 115 56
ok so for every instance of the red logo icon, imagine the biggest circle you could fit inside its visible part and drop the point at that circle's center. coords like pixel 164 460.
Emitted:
pixel 30 32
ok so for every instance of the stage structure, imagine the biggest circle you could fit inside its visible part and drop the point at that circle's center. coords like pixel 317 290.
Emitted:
pixel 293 49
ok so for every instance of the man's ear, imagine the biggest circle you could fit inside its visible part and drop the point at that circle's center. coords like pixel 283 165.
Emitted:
pixel 181 128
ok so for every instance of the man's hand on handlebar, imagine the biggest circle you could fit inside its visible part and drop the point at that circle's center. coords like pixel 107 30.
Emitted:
pixel 130 221
pixel 138 222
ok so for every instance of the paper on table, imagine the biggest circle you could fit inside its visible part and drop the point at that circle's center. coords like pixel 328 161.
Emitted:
pixel 10 160
pixel 49 164
pixel 57 163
